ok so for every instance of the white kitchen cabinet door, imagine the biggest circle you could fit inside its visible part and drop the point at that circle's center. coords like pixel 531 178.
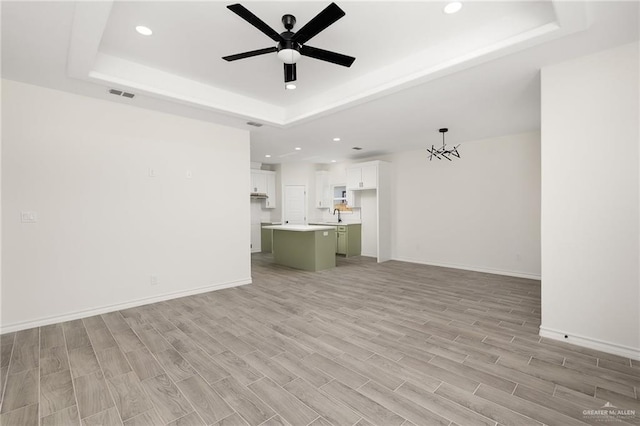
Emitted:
pixel 369 176
pixel 362 177
pixel 323 191
pixel 271 200
pixel 354 175
pixel 258 182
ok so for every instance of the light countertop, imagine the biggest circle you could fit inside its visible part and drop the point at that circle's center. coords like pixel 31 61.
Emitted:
pixel 335 223
pixel 301 228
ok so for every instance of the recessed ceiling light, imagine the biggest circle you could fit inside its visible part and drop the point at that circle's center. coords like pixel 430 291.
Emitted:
pixel 298 148
pixel 268 155
pixel 146 31
pixel 336 139
pixel 290 86
pixel 452 7
pixel 333 161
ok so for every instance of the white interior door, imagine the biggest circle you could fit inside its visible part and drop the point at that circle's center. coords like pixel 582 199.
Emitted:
pixel 295 205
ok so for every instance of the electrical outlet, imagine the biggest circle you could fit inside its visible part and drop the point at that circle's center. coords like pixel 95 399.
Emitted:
pixel 152 172
pixel 28 217
pixel 153 279
pixel 188 174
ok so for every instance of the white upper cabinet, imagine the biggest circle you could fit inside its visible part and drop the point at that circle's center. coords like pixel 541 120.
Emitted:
pixel 258 181
pixel 323 191
pixel 354 176
pixel 369 176
pixel 271 200
pixel 362 176
pixel 264 182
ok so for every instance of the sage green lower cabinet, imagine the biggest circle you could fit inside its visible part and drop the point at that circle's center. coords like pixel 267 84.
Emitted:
pixel 309 251
pixel 349 240
pixel 341 242
pixel 266 239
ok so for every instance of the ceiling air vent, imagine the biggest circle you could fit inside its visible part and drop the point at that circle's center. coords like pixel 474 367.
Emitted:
pixel 121 93
pixel 357 148
pixel 254 124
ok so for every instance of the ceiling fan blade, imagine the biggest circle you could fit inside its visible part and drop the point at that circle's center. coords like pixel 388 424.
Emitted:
pixel 249 54
pixel 326 55
pixel 289 72
pixel 245 14
pixel 321 21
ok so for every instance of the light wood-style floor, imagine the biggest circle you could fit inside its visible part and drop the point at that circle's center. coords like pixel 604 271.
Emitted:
pixel 389 344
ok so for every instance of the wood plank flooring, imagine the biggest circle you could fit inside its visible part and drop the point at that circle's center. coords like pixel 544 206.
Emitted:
pixel 362 344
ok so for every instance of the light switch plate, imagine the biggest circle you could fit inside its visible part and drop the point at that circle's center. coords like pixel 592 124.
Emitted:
pixel 28 217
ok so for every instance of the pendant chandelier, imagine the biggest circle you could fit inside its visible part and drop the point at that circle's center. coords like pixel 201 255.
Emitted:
pixel 443 151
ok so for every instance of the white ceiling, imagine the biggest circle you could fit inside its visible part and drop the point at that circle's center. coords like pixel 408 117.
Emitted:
pixel 416 70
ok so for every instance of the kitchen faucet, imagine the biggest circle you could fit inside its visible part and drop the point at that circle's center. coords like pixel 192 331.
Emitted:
pixel 334 213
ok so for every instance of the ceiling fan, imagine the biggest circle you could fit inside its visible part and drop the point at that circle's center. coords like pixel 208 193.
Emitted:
pixel 292 45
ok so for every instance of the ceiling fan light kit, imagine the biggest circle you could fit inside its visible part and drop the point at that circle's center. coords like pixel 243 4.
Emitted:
pixel 289 56
pixel 443 151
pixel 291 45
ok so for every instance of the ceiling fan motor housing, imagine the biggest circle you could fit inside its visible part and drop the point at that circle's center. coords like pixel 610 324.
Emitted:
pixel 288 50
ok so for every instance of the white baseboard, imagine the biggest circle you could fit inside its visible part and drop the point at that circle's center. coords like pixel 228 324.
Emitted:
pixel 473 268
pixel 591 343
pixel 8 328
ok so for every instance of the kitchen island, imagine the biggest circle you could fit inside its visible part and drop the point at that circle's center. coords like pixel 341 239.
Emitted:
pixel 306 247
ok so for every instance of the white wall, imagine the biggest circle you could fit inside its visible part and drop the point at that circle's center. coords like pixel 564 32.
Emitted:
pixel 590 212
pixel 104 225
pixel 479 212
